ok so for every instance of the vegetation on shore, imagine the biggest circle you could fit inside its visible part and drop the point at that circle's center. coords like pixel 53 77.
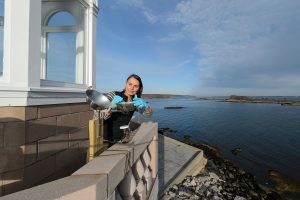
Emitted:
pixel 246 99
pixel 164 96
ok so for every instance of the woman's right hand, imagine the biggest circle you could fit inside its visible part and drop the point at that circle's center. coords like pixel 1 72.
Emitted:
pixel 117 99
pixel 139 102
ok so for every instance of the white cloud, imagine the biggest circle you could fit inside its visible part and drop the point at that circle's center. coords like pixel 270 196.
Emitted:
pixel 246 44
pixel 134 3
pixel 139 4
pixel 150 17
pixel 173 37
pixel 237 45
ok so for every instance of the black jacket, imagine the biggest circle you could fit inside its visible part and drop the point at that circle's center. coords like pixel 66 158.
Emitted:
pixel 112 125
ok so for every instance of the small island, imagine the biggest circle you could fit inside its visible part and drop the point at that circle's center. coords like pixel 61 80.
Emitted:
pixel 174 107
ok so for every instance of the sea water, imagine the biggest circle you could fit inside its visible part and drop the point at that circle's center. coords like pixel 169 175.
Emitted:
pixel 268 134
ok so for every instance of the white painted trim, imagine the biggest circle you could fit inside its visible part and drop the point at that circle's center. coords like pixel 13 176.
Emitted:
pixel 78 12
pixel 40 96
pixel 49 83
pixel 20 84
pixel 90 40
pixel 38 101
pixel 21 60
pixel 59 29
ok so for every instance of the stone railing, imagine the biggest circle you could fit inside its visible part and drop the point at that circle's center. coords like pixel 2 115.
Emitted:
pixel 124 171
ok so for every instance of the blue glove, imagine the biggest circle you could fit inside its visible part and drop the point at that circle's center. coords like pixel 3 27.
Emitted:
pixel 138 102
pixel 117 99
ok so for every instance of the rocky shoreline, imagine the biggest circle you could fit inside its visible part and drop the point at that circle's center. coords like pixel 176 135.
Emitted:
pixel 220 179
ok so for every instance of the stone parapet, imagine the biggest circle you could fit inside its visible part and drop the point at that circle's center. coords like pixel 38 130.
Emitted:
pixel 41 143
pixel 90 187
pixel 124 171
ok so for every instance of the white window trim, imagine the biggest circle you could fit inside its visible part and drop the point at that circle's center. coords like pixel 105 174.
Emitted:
pixel 80 68
pixel 49 83
pixel 53 29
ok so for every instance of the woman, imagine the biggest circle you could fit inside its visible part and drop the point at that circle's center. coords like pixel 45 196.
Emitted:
pixel 132 93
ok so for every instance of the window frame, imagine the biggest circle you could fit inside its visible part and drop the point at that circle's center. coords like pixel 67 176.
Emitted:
pixel 79 30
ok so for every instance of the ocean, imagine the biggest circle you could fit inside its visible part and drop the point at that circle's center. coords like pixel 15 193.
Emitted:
pixel 268 134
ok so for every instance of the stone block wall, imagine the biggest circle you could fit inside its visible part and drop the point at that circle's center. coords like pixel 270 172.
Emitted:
pixel 123 171
pixel 39 144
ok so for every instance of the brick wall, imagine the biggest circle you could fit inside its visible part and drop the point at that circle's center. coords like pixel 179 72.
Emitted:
pixel 39 144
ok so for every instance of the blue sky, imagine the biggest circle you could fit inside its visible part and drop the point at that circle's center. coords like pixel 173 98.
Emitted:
pixel 200 47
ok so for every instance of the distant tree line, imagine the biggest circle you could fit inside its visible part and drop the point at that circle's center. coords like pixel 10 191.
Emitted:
pixel 240 98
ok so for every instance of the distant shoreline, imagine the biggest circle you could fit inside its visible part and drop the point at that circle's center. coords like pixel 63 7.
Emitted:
pixel 165 96
pixel 284 101
pixel 245 99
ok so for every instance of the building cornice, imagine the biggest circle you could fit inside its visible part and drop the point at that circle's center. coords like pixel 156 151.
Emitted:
pixel 40 96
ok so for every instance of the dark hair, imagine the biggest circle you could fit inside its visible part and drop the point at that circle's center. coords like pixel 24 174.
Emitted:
pixel 140 91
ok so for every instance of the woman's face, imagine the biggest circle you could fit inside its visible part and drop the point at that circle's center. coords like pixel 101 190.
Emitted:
pixel 132 86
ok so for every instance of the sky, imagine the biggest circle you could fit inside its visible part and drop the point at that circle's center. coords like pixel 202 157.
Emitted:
pixel 200 47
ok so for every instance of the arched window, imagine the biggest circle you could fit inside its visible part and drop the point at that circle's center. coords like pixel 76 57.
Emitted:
pixel 62 18
pixel 1 35
pixel 62 58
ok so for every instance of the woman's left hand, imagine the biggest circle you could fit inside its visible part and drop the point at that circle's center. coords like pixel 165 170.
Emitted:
pixel 139 102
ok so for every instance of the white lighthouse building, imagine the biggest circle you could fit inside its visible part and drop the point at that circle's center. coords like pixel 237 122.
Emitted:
pixel 47 60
